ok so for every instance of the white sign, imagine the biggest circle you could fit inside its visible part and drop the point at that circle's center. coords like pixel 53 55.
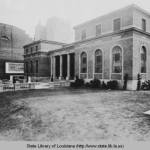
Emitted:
pixel 14 67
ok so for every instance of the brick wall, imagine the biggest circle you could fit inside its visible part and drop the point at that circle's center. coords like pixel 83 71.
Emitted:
pixel 43 65
pixel 106 23
pixel 137 19
pixel 139 41
pixel 124 40
pixel 33 48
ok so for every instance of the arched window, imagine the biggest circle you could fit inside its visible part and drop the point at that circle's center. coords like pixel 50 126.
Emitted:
pixel 143 59
pixel 26 67
pixel 4 38
pixel 31 66
pixel 117 60
pixel 98 61
pixel 83 62
pixel 5 42
pixel 36 66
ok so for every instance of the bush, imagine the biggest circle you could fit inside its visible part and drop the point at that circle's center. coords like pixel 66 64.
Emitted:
pixel 87 84
pixel 112 85
pixel 95 83
pixel 146 85
pixel 104 85
pixel 78 82
pixel 139 82
pixel 125 81
pixel 72 84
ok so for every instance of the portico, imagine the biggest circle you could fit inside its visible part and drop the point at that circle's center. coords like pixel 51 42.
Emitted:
pixel 63 66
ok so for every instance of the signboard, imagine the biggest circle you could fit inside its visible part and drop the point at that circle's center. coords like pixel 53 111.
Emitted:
pixel 14 67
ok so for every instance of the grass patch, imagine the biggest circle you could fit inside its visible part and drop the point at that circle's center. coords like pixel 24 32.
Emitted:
pixel 74 114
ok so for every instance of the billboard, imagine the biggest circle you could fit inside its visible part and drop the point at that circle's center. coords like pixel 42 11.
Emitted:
pixel 11 67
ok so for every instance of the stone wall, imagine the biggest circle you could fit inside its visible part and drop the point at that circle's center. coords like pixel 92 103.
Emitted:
pixel 12 40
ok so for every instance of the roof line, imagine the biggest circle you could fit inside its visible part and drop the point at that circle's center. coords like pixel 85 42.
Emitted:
pixel 44 41
pixel 113 12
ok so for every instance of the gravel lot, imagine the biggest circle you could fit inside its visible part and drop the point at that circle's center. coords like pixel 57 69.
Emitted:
pixel 74 115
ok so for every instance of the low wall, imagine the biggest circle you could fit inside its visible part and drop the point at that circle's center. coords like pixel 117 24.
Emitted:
pixel 39 79
pixel 16 86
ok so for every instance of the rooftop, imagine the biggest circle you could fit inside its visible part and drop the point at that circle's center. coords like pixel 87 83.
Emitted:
pixel 116 11
pixel 44 41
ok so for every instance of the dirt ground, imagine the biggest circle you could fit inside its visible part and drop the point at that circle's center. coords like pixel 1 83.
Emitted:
pixel 74 115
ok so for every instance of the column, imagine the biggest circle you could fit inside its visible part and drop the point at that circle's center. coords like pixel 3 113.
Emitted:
pixel 54 67
pixel 11 79
pixel 68 67
pixel 29 79
pixel 51 66
pixel 60 77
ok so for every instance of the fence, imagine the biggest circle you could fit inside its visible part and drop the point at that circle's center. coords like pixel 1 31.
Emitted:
pixel 16 86
pixel 59 83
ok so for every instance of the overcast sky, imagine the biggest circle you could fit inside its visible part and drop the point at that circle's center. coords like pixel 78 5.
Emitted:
pixel 25 14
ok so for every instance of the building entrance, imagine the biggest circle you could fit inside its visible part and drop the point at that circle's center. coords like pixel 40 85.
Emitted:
pixel 65 66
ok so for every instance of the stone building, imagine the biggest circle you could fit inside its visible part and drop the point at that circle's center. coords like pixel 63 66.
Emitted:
pixel 106 48
pixel 36 56
pixel 12 40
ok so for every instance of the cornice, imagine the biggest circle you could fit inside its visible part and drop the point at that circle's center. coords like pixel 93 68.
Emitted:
pixel 43 41
pixel 39 52
pixel 73 45
pixel 113 34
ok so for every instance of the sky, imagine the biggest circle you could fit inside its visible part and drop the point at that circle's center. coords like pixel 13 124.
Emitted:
pixel 26 14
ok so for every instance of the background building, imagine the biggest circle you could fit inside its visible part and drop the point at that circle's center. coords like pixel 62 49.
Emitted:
pixel 40 32
pixel 59 29
pixel 12 40
pixel 56 29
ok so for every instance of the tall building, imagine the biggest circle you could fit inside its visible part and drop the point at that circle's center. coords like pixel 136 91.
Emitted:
pixel 40 32
pixel 56 29
pixel 12 40
pixel 105 48
pixel 59 30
